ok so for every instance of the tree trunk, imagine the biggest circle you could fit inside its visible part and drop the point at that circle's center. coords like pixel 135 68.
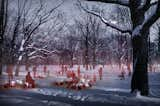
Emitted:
pixel 86 58
pixel 159 43
pixel 140 49
pixel 71 65
pixel 140 61
pixel 17 70
pixel 3 22
pixel 94 58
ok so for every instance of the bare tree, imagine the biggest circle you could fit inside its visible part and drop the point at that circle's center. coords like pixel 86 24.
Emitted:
pixel 28 29
pixel 91 32
pixel 84 32
pixel 29 18
pixel 44 44
pixel 140 31
pixel 72 45
pixel 3 24
pixel 155 45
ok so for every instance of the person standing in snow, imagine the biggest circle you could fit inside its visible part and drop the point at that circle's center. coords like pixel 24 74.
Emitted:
pixel 29 80
pixel 10 73
pixel 94 78
pixel 27 67
pixel 65 69
pixel 78 72
pixel 45 69
pixel 129 69
pixel 90 67
pixel 62 70
pixel 35 71
pixel 122 76
pixel 73 75
pixel 100 73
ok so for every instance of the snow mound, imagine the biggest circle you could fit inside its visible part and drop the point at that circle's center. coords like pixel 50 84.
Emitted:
pixel 109 95
pixel 147 99
pixel 54 103
pixel 61 93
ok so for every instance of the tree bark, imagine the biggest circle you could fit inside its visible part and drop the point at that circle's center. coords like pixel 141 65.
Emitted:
pixel 3 22
pixel 159 42
pixel 140 60
pixel 140 49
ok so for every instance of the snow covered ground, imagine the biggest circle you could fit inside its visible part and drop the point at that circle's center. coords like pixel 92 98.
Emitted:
pixel 108 91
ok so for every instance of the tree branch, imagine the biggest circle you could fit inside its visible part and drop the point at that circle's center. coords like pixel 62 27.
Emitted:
pixel 118 2
pixel 151 20
pixel 105 21
pixel 148 4
pixel 42 50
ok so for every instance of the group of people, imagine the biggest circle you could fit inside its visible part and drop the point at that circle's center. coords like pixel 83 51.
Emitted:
pixel 78 79
pixel 77 73
pixel 28 78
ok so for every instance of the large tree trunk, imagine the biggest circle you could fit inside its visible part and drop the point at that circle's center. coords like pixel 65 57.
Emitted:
pixel 3 22
pixel 140 49
pixel 159 43
pixel 140 61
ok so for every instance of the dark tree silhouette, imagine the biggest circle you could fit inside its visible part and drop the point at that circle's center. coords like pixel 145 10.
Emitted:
pixel 139 32
pixel 3 23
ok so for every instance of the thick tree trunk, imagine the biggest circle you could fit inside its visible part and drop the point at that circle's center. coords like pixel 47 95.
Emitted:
pixel 159 43
pixel 140 49
pixel 2 30
pixel 140 61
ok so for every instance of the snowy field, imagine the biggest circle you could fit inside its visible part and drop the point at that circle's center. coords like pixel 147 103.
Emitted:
pixel 108 91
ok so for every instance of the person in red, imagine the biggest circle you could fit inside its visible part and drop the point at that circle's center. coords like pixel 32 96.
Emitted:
pixel 65 69
pixel 73 75
pixel 45 69
pixel 90 67
pixel 27 67
pixel 62 70
pixel 86 66
pixel 122 75
pixel 69 74
pixel 78 72
pixel 94 78
pixel 10 73
pixel 100 73
pixel 34 71
pixel 29 80
pixel 129 69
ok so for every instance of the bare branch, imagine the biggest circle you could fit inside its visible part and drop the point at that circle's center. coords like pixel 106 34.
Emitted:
pixel 37 56
pixel 41 50
pixel 104 20
pixel 118 2
pixel 151 20
pixel 148 4
pixel 43 19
